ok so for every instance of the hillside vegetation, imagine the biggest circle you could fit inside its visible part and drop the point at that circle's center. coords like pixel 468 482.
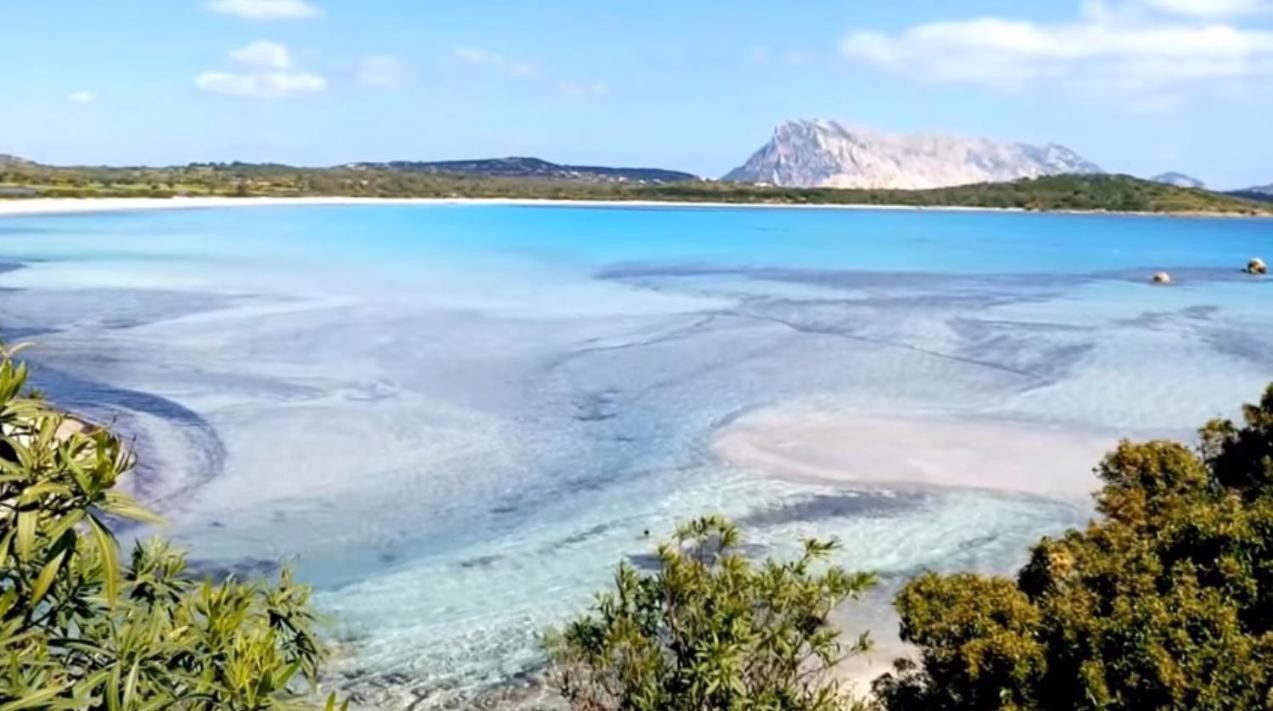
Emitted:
pixel 1112 193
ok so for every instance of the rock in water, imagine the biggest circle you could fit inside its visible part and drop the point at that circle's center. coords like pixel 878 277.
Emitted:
pixel 1256 266
pixel 828 154
pixel 1162 278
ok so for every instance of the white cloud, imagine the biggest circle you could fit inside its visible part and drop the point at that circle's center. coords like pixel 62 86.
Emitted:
pixel 511 67
pixel 384 70
pixel 263 55
pixel 268 74
pixel 82 97
pixel 260 84
pixel 1210 8
pixel 1104 46
pixel 266 9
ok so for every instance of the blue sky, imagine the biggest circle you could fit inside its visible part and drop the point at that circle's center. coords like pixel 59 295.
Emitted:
pixel 1140 86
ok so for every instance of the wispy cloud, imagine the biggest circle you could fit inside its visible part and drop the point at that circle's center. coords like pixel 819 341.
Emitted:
pixel 266 9
pixel 381 70
pixel 1211 8
pixel 529 70
pixel 267 74
pixel 260 84
pixel 82 97
pixel 1156 44
pixel 497 61
pixel 263 55
pixel 791 57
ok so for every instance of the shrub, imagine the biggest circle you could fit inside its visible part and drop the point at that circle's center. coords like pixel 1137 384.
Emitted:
pixel 80 629
pixel 711 630
pixel 1166 601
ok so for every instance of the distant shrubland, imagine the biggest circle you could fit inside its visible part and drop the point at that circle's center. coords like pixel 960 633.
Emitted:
pixel 1114 193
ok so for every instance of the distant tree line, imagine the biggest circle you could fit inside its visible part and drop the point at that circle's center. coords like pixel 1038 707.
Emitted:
pixel 1112 193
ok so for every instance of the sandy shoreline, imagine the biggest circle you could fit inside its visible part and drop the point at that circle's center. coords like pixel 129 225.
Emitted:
pixel 57 206
pixel 835 448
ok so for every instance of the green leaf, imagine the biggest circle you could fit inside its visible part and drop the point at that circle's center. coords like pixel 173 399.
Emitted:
pixel 5 543
pixel 38 699
pixel 26 533
pixel 110 559
pixel 32 493
pixel 123 505
pixel 65 524
pixel 46 578
pixel 130 685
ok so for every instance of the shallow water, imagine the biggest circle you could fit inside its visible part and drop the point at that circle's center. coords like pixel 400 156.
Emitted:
pixel 455 419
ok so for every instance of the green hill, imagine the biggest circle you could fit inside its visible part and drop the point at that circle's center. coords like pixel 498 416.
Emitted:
pixel 1104 193
pixel 1088 193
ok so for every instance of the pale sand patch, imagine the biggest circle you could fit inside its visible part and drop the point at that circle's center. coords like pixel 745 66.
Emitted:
pixel 838 448
pixel 51 206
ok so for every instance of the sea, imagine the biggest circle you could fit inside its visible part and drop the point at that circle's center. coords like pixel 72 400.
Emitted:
pixel 454 421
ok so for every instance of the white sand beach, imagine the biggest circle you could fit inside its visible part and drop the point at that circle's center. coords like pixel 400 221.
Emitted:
pixel 49 206
pixel 836 448
pixel 53 206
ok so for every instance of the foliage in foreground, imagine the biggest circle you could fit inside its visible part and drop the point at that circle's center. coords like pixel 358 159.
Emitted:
pixel 1165 602
pixel 80 629
pixel 711 630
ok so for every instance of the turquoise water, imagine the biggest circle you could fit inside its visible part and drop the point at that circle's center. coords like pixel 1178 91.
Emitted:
pixel 455 419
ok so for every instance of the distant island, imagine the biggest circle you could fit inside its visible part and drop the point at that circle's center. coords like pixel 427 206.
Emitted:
pixel 527 178
pixel 821 153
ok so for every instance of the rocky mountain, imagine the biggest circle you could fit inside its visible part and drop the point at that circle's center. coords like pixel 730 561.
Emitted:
pixel 7 159
pixel 828 154
pixel 521 167
pixel 1263 193
pixel 1179 180
pixel 1261 189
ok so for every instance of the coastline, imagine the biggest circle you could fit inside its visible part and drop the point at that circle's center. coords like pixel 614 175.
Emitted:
pixel 14 207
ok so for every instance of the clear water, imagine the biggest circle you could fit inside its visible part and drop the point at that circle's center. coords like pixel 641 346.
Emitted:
pixel 455 419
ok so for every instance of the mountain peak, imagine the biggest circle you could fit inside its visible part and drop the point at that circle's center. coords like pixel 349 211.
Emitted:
pixel 1179 180
pixel 827 153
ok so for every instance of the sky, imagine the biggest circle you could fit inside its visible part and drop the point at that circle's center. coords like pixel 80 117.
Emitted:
pixel 1138 86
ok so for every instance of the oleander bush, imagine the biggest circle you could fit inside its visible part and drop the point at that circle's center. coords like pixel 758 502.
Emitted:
pixel 80 628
